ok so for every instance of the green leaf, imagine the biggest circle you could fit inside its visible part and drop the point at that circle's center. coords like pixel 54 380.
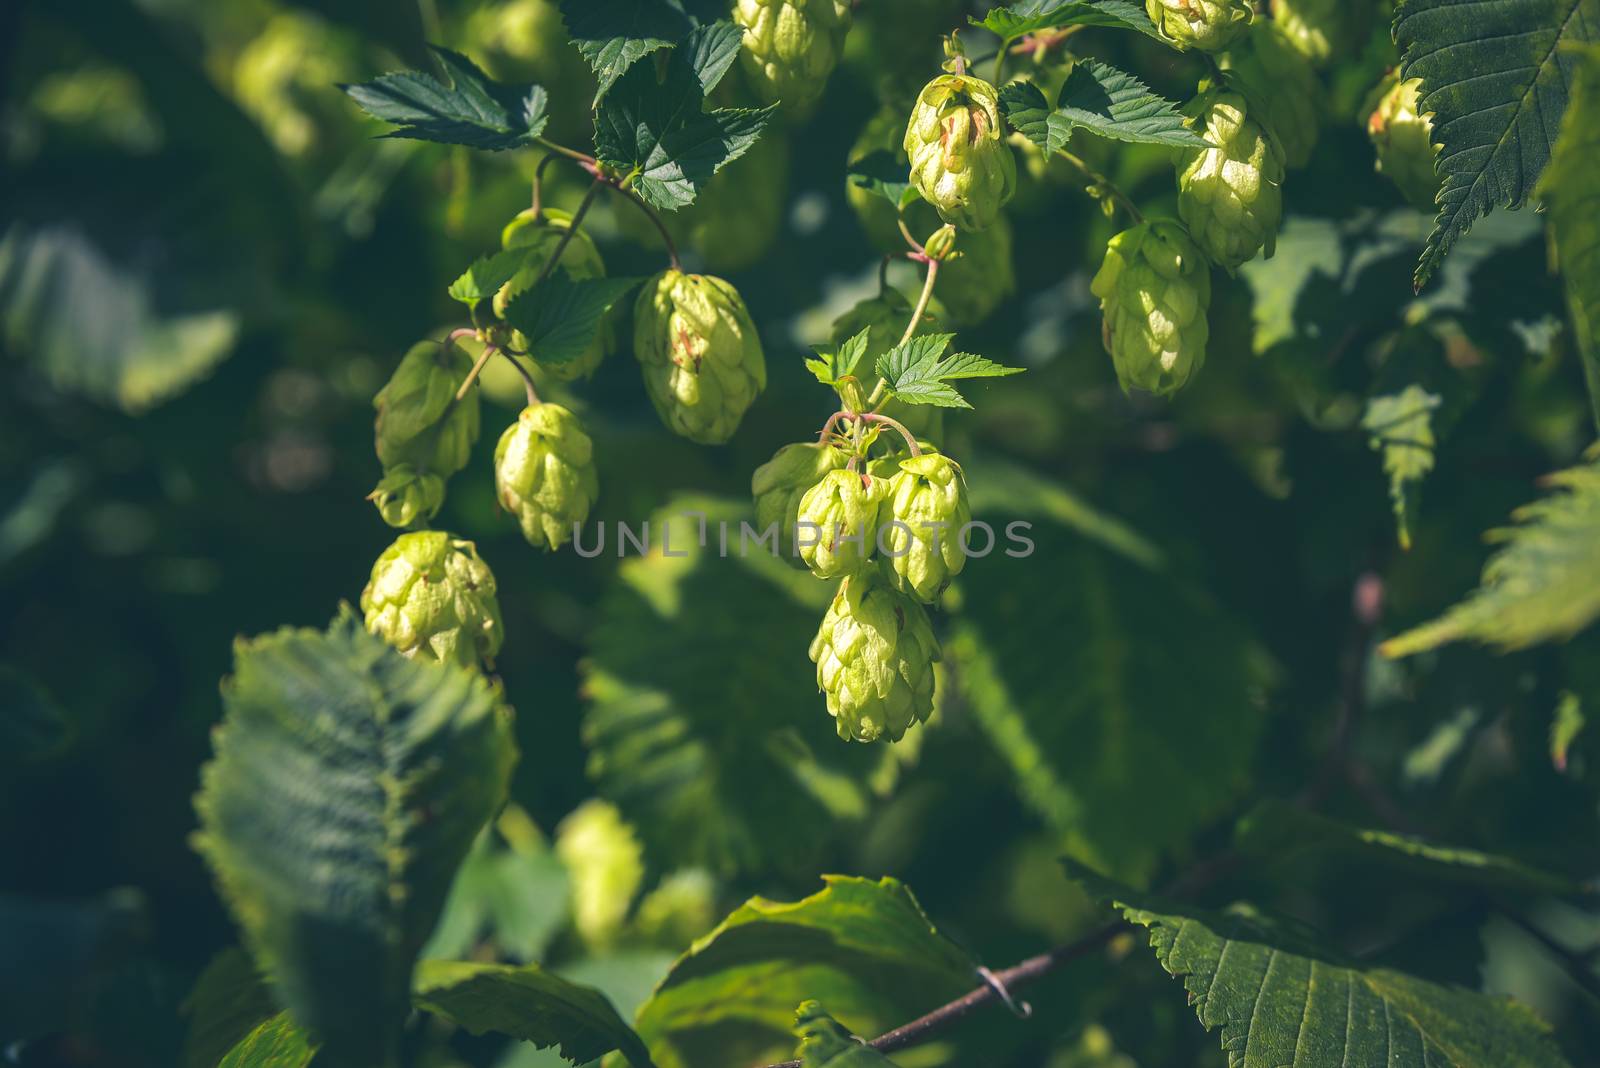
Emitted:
pixel 466 108
pixel 229 1001
pixel 824 1044
pixel 916 373
pixel 1101 99
pixel 1544 585
pixel 92 327
pixel 276 1043
pixel 866 947
pixel 1030 16
pixel 1568 723
pixel 347 786
pixel 1280 1000
pixel 528 1004
pixel 1572 198
pixel 560 316
pixel 613 35
pixel 884 173
pixel 1276 830
pixel 657 130
pixel 833 365
pixel 1401 426
pixel 1495 76
pixel 483 279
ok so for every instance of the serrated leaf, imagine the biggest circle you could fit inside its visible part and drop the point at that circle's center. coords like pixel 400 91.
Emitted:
pixel 1572 197
pixel 1544 585
pixel 560 316
pixel 970 365
pixel 658 132
pixel 1496 77
pixel 230 1000
pixel 884 173
pixel 864 946
pixel 833 365
pixel 529 1004
pixel 1030 16
pixel 466 108
pixel 275 1043
pixel 1279 999
pixel 615 34
pixel 483 279
pixel 347 785
pixel 1400 425
pixel 916 373
pixel 825 1044
pixel 1101 99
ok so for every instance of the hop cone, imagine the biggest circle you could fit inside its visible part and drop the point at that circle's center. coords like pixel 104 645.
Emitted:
pixel 544 474
pixel 606 863
pixel 875 653
pixel 1279 85
pixel 1404 140
pixel 580 259
pixel 979 278
pixel 419 422
pixel 791 46
pixel 405 496
pixel 1209 25
pixel 1230 195
pixel 779 484
pixel 702 360
pixel 431 596
pixel 1154 289
pixel 1317 29
pixel 922 519
pixel 884 317
pixel 837 525
pixel 960 162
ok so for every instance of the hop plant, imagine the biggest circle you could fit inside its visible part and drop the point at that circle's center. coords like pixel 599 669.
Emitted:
pixel 543 231
pixel 702 360
pixel 885 132
pixel 420 423
pixel 1317 29
pixel 1209 25
pixel 739 214
pixel 606 863
pixel 922 521
pixel 960 163
pixel 837 525
pixel 431 596
pixel 779 484
pixel 791 46
pixel 1230 193
pixel 884 317
pixel 1403 136
pixel 979 278
pixel 544 474
pixel 406 496
pixel 1280 87
pixel 875 653
pixel 1154 289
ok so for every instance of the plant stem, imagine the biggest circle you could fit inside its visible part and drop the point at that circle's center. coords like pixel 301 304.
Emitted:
pixel 527 378
pixel 1000 60
pixel 911 441
pixel 472 375
pixel 911 327
pixel 905 232
pixel 572 228
pixel 1122 199
pixel 538 184
pixel 655 219
pixel 562 150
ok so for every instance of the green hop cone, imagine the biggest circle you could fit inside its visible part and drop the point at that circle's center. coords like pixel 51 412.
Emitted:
pixel 431 596
pixel 1230 194
pixel 1154 289
pixel 884 317
pixel 544 474
pixel 779 484
pixel 837 525
pixel 420 423
pixel 1317 29
pixel 606 863
pixel 960 161
pixel 979 277
pixel 922 521
pixel 875 653
pixel 1403 136
pixel 1280 87
pixel 405 496
pixel 702 360
pixel 791 46
pixel 580 259
pixel 1209 25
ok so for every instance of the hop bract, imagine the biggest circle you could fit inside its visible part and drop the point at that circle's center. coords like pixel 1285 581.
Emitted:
pixel 779 484
pixel 405 496
pixel 1154 289
pixel 1209 25
pixel 922 521
pixel 960 163
pixel 1317 29
pixel 1403 136
pixel 1230 195
pixel 1277 82
pixel 702 360
pixel 432 597
pixel 875 653
pixel 420 423
pixel 837 525
pixel 544 474
pixel 791 46
pixel 542 232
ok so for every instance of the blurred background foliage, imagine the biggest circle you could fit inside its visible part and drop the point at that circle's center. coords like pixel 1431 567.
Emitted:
pixel 210 263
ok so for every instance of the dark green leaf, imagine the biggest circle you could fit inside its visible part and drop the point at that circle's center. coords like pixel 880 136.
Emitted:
pixel 1496 74
pixel 529 1004
pixel 347 785
pixel 483 279
pixel 615 34
pixel 560 317
pixel 1030 16
pixel 824 1044
pixel 230 1000
pixel 884 173
pixel 1101 99
pixel 467 108
pixel 1400 425
pixel 275 1043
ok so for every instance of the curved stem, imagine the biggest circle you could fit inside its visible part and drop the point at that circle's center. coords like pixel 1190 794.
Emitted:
pixel 905 232
pixel 833 420
pixel 459 333
pixel 1000 60
pixel 563 150
pixel 572 229
pixel 1122 199
pixel 922 302
pixel 472 375
pixel 911 440
pixel 655 219
pixel 527 378
pixel 538 183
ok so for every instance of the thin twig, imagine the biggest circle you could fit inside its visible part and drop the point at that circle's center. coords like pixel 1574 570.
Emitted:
pixel 1105 183
pixel 472 375
pixel 661 227
pixel 572 228
pixel 922 302
pixel 562 150
pixel 895 424
pixel 527 378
